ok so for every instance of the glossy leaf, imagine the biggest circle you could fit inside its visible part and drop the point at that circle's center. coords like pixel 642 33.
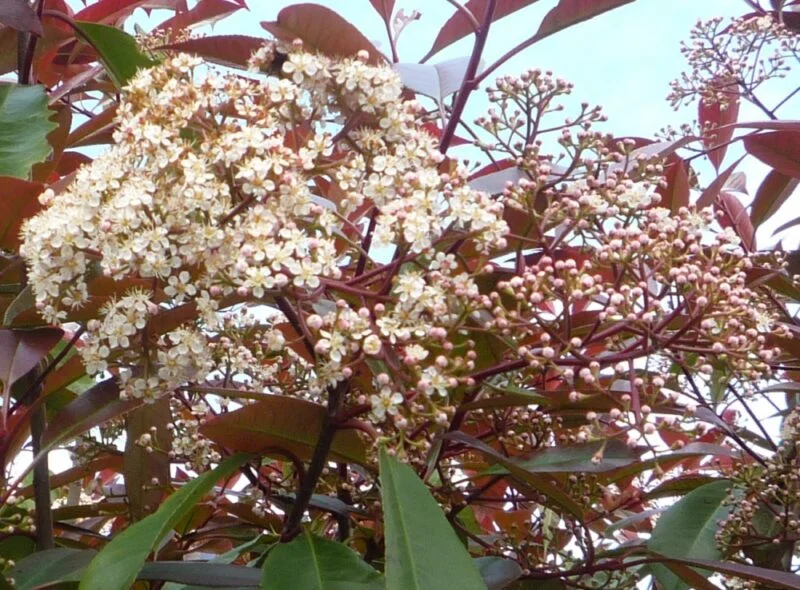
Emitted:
pixel 63 565
pixel 119 562
pixel 711 192
pixel 44 568
pixel 422 550
pixel 688 528
pixel 21 351
pixel 113 11
pixel 775 579
pixel 458 26
pixel 580 458
pixel 676 192
pixel 24 126
pixel 93 407
pixel 226 50
pixel 775 189
pixel 321 29
pixel 384 8
pixel 117 49
pixel 205 12
pixel 572 12
pixel 717 121
pixel 19 200
pixel 735 216
pixel 317 564
pixel 281 424
pixel 778 149
pixel 18 15
pixel 541 482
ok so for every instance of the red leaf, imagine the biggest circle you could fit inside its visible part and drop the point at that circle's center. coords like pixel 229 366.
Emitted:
pixel 96 130
pixel 205 12
pixel 19 15
pixel 458 26
pixel 779 149
pixel 714 121
pixel 227 50
pixel 383 7
pixel 772 193
pixel 113 11
pixel 713 189
pixel 735 216
pixel 93 407
pixel 321 29
pixel 676 194
pixel 21 350
pixel 70 162
pixel 284 424
pixel 18 201
pixel 572 12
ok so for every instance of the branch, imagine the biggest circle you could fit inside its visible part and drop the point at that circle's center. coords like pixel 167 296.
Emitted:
pixel 470 81
pixel 291 526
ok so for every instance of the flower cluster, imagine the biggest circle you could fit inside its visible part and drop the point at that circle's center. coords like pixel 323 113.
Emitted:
pixel 228 189
pixel 727 59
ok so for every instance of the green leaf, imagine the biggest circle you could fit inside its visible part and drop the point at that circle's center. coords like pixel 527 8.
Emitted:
pixel 281 424
pixel 542 483
pixel 117 49
pixel 772 578
pixel 24 125
pixel 118 564
pixel 314 563
pixel 688 529
pixel 422 550
pixel 50 566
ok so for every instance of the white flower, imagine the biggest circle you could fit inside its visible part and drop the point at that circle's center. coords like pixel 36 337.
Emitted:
pixel 385 402
pixel 371 345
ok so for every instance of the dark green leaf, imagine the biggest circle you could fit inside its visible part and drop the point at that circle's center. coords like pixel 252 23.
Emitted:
pixel 119 562
pixel 117 49
pixel 45 568
pixel 688 529
pixel 313 563
pixel 541 482
pixel 773 578
pixel 422 550
pixel 24 126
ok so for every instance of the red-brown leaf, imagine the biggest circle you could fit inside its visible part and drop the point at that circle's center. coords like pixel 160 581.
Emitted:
pixel 676 194
pixel 19 200
pixel 21 350
pixel 205 12
pixel 772 193
pixel 735 216
pixel 19 15
pixel 571 12
pixel 227 50
pixel 321 29
pixel 712 190
pixel 281 425
pixel 779 149
pixel 113 11
pixel 383 7
pixel 715 120
pixel 458 26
